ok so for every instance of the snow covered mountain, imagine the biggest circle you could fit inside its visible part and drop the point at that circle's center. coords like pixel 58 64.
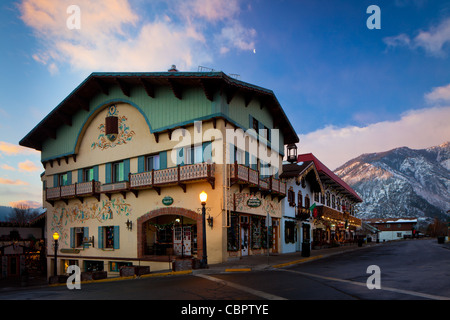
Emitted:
pixel 402 182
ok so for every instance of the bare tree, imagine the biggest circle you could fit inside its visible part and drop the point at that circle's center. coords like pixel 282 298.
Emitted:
pixel 22 214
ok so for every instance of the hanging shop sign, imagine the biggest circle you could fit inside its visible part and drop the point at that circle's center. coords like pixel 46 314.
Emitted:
pixel 167 201
pixel 253 202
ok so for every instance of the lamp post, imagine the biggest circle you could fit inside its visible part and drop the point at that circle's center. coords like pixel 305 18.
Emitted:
pixel 203 198
pixel 55 237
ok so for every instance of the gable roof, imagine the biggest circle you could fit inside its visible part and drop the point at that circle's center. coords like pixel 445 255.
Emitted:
pixel 327 176
pixel 301 170
pixel 210 82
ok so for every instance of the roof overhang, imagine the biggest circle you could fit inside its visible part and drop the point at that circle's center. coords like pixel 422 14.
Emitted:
pixel 210 82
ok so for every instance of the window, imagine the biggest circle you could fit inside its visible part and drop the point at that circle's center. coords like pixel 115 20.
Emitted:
pixel 108 237
pixel 327 198
pixel 239 156
pixel 299 199
pixel 333 201
pixel 63 179
pixel 152 163
pixel 118 172
pixel 189 155
pixel 291 197
pixel 78 236
pixel 114 266
pixel 316 196
pixel 255 125
pixel 88 174
pixel 307 202
pixel 289 232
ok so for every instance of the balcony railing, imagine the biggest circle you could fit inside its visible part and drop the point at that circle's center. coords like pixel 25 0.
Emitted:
pixel 179 175
pixel 245 176
pixel 75 190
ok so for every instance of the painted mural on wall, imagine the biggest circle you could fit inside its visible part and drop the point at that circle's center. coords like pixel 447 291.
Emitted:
pixel 121 135
pixel 63 217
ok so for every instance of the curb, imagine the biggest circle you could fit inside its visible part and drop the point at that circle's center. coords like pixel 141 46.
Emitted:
pixel 281 265
pixel 150 275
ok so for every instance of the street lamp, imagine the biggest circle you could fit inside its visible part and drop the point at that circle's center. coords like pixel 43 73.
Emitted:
pixel 203 198
pixel 55 237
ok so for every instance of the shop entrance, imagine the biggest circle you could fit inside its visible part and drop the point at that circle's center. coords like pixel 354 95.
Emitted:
pixel 167 232
pixel 170 235
pixel 182 240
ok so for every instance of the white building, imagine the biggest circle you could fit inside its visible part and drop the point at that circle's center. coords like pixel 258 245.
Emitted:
pixel 318 209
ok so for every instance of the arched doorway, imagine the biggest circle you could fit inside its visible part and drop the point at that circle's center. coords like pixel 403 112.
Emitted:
pixel 167 232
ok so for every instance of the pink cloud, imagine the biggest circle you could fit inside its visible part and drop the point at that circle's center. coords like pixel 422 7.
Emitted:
pixel 28 166
pixel 13 182
pixel 25 204
pixel 13 149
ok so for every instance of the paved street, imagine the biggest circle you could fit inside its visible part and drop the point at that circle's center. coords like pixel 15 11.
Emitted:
pixel 409 270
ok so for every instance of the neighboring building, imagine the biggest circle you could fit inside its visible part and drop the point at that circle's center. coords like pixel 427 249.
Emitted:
pixel 22 248
pixel 394 228
pixel 319 208
pixel 302 184
pixel 126 156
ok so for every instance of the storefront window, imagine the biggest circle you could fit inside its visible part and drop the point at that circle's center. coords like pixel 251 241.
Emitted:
pixel 256 233
pixel 289 232
pixel 233 234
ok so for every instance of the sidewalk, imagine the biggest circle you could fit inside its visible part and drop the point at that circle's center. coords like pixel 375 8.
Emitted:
pixel 244 264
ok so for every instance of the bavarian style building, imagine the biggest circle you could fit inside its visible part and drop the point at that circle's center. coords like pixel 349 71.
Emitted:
pixel 126 156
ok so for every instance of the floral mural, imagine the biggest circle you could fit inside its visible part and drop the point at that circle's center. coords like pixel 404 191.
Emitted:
pixel 79 213
pixel 123 135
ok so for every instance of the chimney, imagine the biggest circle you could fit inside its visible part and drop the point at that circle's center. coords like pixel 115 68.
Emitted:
pixel 173 68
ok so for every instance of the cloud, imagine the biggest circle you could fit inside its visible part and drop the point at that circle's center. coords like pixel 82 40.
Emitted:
pixel 7 167
pixel 13 149
pixel 211 10
pixel 114 37
pixel 237 37
pixel 432 41
pixel 13 182
pixel 25 204
pixel 28 166
pixel 415 129
pixel 439 94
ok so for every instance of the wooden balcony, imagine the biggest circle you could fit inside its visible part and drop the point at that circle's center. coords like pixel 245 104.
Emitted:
pixel 115 187
pixel 180 175
pixel 248 177
pixel 73 191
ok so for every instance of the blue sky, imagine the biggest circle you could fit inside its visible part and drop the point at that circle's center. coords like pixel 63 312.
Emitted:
pixel 347 89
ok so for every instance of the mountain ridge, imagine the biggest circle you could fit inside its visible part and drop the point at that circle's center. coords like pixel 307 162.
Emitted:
pixel 401 182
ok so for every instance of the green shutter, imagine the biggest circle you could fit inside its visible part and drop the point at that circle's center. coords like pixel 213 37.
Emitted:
pixel 163 160
pixel 207 151
pixel 247 159
pixel 69 178
pixel 141 164
pixel 86 235
pixel 126 169
pixel 116 237
pixel 96 173
pixel 72 237
pixel 108 173
pixel 55 181
pixel 80 175
pixel 100 238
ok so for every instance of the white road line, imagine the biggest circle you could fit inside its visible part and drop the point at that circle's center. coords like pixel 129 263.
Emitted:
pixel 412 293
pixel 257 293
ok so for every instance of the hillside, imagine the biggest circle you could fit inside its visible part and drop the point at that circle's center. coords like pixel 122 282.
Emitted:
pixel 402 182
